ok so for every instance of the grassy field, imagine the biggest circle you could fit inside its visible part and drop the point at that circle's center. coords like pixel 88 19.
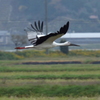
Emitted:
pixel 50 82
pixel 51 98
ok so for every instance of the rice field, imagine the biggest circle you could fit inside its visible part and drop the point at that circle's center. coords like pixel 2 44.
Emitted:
pixel 16 76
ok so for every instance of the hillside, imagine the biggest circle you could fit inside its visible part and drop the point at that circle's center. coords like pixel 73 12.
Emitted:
pixel 83 15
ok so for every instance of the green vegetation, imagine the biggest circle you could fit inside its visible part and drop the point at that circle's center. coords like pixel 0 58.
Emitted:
pixel 51 91
pixel 52 54
pixel 41 76
pixel 57 80
pixel 50 98
pixel 27 54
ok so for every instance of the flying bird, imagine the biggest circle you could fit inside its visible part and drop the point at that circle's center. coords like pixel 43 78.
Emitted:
pixel 39 40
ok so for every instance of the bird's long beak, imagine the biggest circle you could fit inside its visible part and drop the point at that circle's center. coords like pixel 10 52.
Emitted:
pixel 73 44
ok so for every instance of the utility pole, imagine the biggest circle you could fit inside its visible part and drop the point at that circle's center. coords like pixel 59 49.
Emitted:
pixel 46 21
pixel 46 17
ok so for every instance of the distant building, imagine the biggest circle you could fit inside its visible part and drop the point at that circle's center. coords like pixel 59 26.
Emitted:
pixel 83 38
pixel 82 35
pixel 4 38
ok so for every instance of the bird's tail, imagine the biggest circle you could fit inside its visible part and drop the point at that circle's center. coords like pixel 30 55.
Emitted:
pixel 26 47
pixel 20 48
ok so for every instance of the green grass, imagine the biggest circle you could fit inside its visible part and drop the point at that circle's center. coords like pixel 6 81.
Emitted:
pixel 42 76
pixel 51 90
pixel 60 58
pixel 89 55
pixel 14 67
pixel 57 73
pixel 50 98
pixel 70 80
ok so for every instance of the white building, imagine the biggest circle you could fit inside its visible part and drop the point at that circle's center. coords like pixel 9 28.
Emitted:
pixel 4 37
pixel 81 35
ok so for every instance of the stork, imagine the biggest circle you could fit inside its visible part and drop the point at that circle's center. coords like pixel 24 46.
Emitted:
pixel 39 40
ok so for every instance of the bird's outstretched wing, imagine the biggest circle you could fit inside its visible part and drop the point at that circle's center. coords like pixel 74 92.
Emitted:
pixel 38 27
pixel 53 36
pixel 35 30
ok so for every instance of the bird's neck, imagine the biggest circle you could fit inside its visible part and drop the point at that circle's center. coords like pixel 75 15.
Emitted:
pixel 61 44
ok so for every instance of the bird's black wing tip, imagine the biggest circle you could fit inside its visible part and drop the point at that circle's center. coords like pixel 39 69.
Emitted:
pixel 64 29
pixel 68 23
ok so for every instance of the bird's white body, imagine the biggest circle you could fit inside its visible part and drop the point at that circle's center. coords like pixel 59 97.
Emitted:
pixel 54 44
pixel 41 41
pixel 46 45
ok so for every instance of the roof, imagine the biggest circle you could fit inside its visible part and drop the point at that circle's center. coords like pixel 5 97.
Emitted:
pixel 4 33
pixel 81 35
